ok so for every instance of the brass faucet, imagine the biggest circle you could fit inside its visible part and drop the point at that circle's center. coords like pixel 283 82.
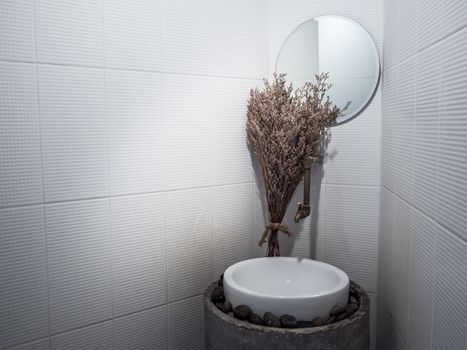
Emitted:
pixel 304 208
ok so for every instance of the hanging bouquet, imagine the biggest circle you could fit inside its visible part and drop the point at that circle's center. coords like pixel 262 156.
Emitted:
pixel 285 126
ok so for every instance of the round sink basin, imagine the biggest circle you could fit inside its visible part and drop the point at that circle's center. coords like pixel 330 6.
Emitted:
pixel 302 288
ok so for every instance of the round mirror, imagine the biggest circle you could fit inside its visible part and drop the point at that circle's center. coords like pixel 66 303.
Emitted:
pixel 340 47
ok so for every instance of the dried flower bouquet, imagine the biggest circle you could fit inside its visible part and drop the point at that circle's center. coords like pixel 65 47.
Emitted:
pixel 284 126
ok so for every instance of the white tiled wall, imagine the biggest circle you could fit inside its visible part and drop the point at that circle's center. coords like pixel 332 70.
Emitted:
pixel 423 243
pixel 343 228
pixel 124 172
pixel 126 185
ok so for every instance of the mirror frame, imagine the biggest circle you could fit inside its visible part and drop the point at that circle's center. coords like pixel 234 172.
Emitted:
pixel 375 55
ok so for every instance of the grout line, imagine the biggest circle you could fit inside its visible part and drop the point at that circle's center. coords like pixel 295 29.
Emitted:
pixel 350 185
pixel 107 141
pixel 211 141
pixel 98 323
pixel 41 150
pixel 424 214
pixel 432 291
pixel 438 42
pixel 123 195
pixel 133 70
pixel 29 342
pixel 164 177
pixel 166 252
pixel 394 324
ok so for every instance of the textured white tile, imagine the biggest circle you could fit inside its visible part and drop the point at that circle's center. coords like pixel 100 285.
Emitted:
pixel 133 34
pixel 386 231
pixel 233 225
pixel 42 344
pixel 397 293
pixel 189 242
pixel 260 216
pixel 408 23
pixel 187 131
pixel 423 250
pixel 452 187
pixel 138 249
pixel 186 44
pixel 373 313
pixel 450 308
pixel 23 275
pixel 99 336
pixel 240 38
pixel 426 130
pixel 385 333
pixel 186 324
pixel 136 139
pixel 388 336
pixel 20 170
pixel 352 159
pixel 146 330
pixel 351 232
pixel 80 263
pixel 454 15
pixel 231 157
pixel 70 32
pixel 391 33
pixel 72 106
pixel 404 166
pixel 17 30
pixel 430 22
pixel 389 128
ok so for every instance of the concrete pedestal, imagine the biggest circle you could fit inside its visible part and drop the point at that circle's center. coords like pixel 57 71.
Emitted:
pixel 227 333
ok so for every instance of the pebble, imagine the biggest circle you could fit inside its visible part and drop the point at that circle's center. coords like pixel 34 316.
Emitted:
pixel 226 307
pixel 242 312
pixel 220 281
pixel 351 308
pixel 337 310
pixel 340 317
pixel 305 324
pixel 217 295
pixel 255 319
pixel 353 300
pixel 330 320
pixel 271 320
pixel 288 321
pixel 317 321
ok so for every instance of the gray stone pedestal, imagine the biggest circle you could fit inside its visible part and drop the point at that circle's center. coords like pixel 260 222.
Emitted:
pixel 227 333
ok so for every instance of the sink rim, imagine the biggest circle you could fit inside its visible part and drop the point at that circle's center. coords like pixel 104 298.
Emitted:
pixel 343 278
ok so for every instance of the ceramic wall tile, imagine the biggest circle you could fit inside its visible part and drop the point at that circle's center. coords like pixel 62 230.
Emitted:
pixel 69 32
pixel 79 260
pixel 20 158
pixel 23 275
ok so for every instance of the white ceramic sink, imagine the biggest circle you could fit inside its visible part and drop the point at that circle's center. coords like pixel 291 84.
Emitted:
pixel 302 288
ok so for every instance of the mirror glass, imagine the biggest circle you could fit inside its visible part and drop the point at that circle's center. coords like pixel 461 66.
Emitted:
pixel 341 47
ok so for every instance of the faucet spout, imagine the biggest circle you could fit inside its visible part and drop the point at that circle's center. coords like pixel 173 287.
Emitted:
pixel 302 212
pixel 304 208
